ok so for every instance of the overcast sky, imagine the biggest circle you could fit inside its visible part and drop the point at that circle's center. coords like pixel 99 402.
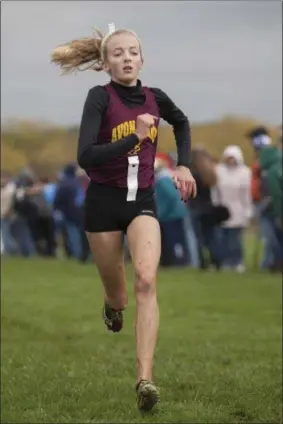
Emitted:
pixel 212 58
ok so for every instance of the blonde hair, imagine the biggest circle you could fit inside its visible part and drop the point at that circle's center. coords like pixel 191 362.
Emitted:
pixel 85 53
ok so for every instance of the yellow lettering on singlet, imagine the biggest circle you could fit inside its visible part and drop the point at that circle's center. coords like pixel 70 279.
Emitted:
pixel 132 126
pixel 120 129
pixel 136 149
pixel 114 135
pixel 129 127
pixel 152 133
pixel 123 130
pixel 126 129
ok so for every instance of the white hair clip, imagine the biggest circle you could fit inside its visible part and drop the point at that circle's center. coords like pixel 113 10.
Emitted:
pixel 111 28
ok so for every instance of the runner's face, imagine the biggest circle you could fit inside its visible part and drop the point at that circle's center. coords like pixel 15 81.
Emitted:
pixel 123 59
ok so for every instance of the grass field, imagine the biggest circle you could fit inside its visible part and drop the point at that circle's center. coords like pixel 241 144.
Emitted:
pixel 218 357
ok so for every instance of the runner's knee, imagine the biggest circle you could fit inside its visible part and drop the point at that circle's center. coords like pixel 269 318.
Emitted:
pixel 145 281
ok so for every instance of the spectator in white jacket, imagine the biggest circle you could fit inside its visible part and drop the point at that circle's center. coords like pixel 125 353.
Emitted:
pixel 233 190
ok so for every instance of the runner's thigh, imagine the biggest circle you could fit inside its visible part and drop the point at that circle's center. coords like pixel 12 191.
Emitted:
pixel 108 251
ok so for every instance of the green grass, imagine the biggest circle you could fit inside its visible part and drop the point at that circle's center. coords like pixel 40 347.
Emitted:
pixel 218 357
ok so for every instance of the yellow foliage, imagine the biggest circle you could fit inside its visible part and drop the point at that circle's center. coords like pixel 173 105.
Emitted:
pixel 216 136
pixel 11 159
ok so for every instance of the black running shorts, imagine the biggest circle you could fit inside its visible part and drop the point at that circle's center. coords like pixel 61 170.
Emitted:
pixel 107 209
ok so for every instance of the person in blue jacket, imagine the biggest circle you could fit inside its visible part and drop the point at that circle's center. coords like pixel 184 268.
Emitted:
pixel 66 202
pixel 171 212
